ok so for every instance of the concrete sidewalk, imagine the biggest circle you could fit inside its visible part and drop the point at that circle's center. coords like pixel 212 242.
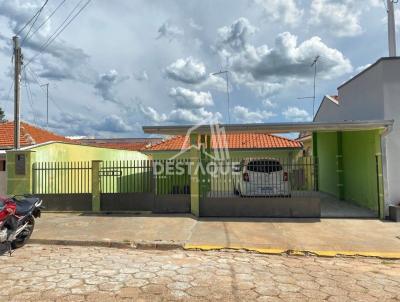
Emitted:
pixel 325 237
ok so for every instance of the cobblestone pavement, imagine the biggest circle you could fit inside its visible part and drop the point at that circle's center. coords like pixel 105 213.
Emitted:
pixel 63 273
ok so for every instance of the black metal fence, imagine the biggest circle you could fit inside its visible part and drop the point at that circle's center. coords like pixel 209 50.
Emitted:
pixel 260 177
pixel 251 177
pixel 62 177
pixel 128 176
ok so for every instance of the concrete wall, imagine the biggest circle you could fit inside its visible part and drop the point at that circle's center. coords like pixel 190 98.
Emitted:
pixel 3 182
pixel 391 143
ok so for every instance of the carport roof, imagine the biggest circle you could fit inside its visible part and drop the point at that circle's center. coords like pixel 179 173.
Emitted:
pixel 273 127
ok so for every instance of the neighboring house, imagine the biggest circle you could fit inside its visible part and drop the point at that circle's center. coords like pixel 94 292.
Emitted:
pixel 132 144
pixel 239 145
pixel 373 94
pixel 39 145
pixel 29 136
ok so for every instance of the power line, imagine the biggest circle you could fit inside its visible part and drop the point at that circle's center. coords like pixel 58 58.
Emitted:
pixel 29 96
pixel 47 19
pixel 31 19
pixel 60 29
pixel 34 21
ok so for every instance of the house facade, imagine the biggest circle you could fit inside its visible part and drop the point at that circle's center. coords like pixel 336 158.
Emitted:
pixel 373 94
pixel 238 146
pixel 41 146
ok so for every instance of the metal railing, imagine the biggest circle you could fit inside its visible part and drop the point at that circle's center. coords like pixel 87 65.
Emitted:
pixel 61 177
pixel 127 176
pixel 249 177
pixel 260 177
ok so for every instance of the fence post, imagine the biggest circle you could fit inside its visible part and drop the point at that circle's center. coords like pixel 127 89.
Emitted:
pixel 96 185
pixel 194 176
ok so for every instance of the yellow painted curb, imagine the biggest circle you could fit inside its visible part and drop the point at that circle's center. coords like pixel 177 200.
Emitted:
pixel 279 251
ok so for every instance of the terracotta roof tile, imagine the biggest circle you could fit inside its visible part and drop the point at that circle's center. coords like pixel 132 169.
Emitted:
pixel 30 135
pixel 119 146
pixel 233 141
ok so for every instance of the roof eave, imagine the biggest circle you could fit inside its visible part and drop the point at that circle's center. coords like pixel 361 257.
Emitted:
pixel 274 127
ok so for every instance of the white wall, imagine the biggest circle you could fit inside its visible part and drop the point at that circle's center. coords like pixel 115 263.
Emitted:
pixel 391 90
pixel 3 182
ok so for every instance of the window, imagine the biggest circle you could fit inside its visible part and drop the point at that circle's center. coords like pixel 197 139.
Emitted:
pixel 2 165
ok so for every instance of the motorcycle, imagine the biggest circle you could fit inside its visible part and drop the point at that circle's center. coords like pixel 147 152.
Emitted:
pixel 17 219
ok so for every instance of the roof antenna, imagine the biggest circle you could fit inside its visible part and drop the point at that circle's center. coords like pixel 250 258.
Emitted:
pixel 226 72
pixel 314 64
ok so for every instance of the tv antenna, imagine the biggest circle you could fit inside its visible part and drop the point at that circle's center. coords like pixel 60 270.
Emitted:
pixel 226 72
pixel 314 64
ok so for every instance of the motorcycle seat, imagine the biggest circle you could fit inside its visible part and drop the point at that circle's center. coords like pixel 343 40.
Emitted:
pixel 25 206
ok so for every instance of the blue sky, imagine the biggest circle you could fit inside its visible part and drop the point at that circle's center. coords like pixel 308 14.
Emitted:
pixel 128 63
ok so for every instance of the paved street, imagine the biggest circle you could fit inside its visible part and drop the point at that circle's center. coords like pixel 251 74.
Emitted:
pixel 65 273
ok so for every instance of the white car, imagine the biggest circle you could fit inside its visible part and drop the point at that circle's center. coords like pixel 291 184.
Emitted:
pixel 261 177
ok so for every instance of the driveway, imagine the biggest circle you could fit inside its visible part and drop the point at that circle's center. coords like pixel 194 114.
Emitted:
pixel 55 273
pixel 328 237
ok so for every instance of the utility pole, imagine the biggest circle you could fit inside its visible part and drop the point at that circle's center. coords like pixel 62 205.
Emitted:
pixel 17 94
pixel 47 103
pixel 226 72
pixel 391 28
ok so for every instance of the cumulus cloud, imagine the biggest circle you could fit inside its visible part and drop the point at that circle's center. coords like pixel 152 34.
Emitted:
pixel 341 18
pixel 112 123
pixel 180 115
pixel 266 70
pixel 141 76
pixel 286 11
pixel 237 34
pixel 152 114
pixel 288 59
pixel 189 71
pixel 80 124
pixel 193 116
pixel 189 107
pixel 169 31
pixel 269 104
pixel 193 72
pixel 194 25
pixel 106 83
pixel 186 98
pixel 244 115
pixel 296 114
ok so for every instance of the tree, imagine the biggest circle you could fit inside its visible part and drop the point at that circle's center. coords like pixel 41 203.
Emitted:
pixel 2 116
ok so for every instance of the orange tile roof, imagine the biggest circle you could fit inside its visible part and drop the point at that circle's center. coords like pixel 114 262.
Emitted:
pixel 120 146
pixel 29 135
pixel 233 141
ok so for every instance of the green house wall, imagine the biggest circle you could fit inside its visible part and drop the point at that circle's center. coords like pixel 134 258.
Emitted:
pixel 62 152
pixel 348 161
pixel 58 153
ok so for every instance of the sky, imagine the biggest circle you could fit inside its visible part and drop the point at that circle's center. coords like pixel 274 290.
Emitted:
pixel 120 65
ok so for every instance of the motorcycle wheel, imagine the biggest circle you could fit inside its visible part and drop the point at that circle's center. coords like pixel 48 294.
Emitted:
pixel 24 236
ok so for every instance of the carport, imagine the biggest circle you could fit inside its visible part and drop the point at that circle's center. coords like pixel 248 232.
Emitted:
pixel 346 178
